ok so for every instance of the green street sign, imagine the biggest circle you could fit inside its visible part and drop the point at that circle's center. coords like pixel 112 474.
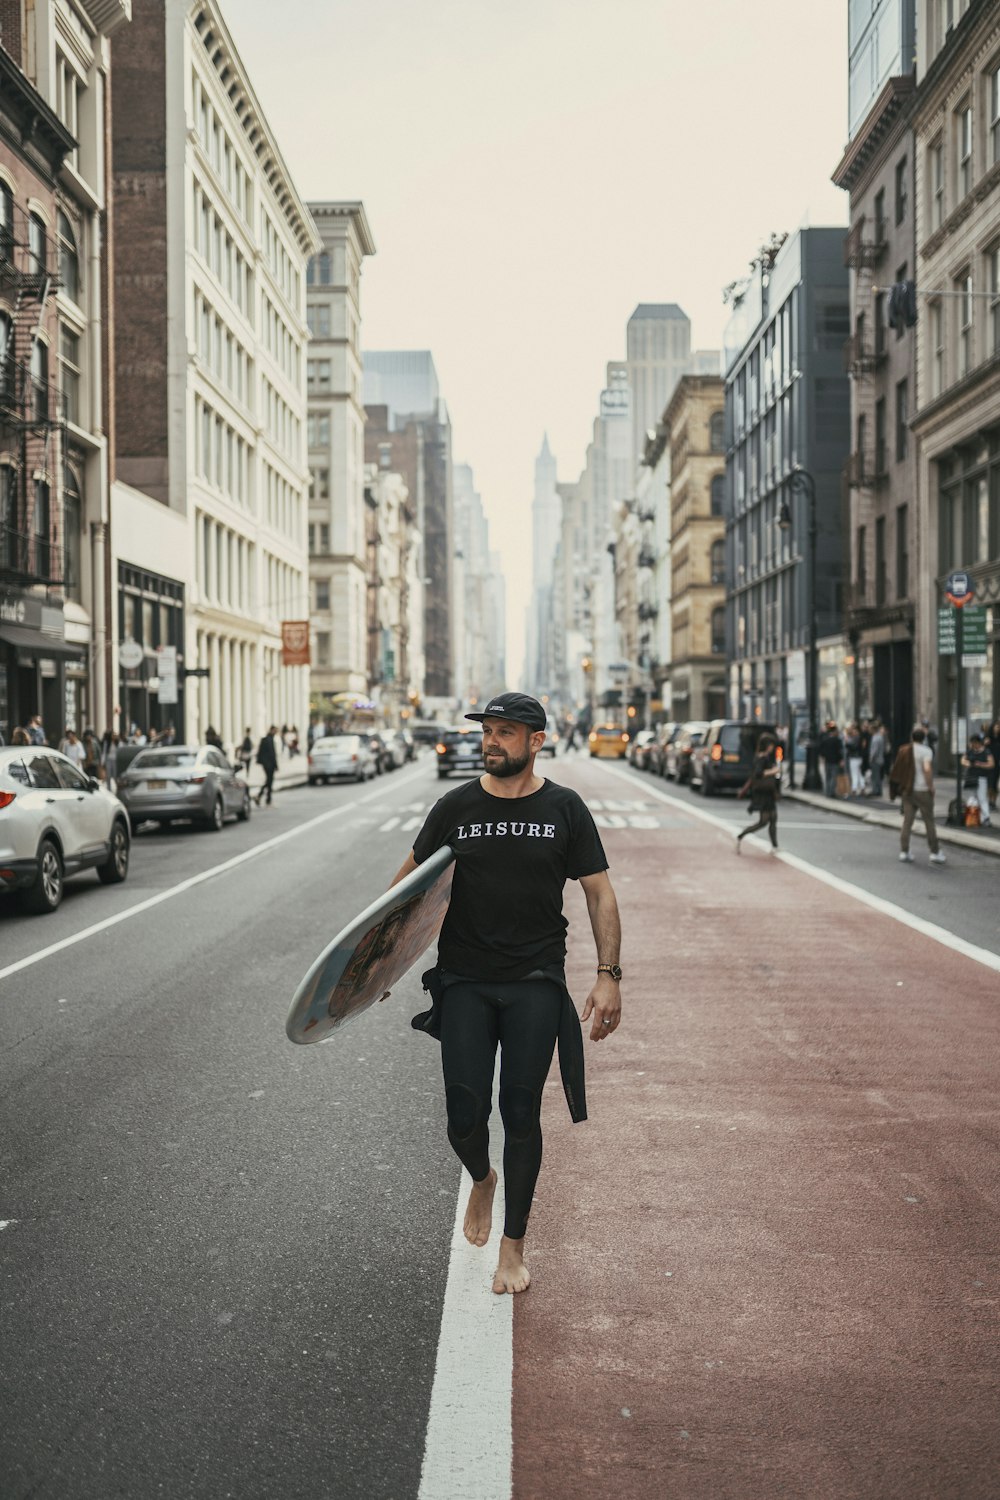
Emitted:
pixel 946 630
pixel 974 635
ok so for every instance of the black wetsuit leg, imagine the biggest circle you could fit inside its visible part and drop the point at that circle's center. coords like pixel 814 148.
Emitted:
pixel 523 1017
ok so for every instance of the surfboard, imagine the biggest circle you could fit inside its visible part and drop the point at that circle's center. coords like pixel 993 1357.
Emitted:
pixel 362 963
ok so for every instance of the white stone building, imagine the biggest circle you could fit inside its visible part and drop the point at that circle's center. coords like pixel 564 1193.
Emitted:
pixel 210 251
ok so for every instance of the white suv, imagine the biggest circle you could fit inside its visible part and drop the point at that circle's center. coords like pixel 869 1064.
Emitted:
pixel 54 822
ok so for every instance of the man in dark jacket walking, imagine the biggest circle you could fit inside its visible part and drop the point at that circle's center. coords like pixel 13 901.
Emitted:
pixel 831 753
pixel 267 759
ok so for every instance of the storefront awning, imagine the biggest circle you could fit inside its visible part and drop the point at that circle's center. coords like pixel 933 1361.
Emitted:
pixel 33 643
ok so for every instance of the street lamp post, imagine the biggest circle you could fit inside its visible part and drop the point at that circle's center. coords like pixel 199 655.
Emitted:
pixel 802 480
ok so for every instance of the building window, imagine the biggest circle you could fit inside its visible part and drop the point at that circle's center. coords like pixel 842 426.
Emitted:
pixel 322 648
pixel 69 260
pixel 963 287
pixel 902 552
pixel 900 277
pixel 880 324
pixel 36 246
pixel 312 538
pixel 324 537
pixel 318 374
pixel 69 363
pixel 72 509
pixel 319 429
pixel 10 548
pixel 861 569
pixel 718 563
pixel 6 223
pixel 879 213
pixel 318 320
pixel 993 93
pixel 936 314
pixel 7 382
pixel 963 138
pixel 717 432
pixel 901 190
pixel 319 484
pixel 718 494
pixel 993 287
pixel 719 631
pixel 39 380
pixel 880 453
pixel 936 174
pixel 322 594
pixel 880 578
pixel 41 524
pixel 318 270
pixel 902 420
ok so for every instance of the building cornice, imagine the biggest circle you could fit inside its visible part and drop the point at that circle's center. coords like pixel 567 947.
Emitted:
pixel 890 109
pixel 106 15
pixel 939 76
pixel 983 188
pixel 36 124
pixel 213 33
pixel 961 399
pixel 354 211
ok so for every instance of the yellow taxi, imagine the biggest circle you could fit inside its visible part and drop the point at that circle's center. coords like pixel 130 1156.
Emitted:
pixel 609 741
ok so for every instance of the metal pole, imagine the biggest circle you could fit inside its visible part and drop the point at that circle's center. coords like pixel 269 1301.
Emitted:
pixel 959 710
pixel 802 479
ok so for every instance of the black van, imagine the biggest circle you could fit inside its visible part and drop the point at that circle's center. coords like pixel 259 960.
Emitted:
pixel 724 759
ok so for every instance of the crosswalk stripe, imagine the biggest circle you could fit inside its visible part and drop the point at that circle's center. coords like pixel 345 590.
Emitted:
pixel 390 823
pixel 410 824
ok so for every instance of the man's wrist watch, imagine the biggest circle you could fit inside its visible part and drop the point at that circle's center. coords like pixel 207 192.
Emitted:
pixel 613 969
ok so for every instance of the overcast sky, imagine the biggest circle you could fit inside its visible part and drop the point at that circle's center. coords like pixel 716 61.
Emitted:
pixel 531 169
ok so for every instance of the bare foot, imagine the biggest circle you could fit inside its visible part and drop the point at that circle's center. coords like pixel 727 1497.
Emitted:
pixel 479 1214
pixel 511 1274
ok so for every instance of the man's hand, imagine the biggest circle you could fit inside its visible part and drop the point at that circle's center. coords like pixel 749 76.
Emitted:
pixel 605 1004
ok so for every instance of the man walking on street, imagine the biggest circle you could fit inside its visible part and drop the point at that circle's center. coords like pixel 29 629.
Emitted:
pixel 831 753
pixel 267 759
pixel 876 756
pixel 500 977
pixel 913 772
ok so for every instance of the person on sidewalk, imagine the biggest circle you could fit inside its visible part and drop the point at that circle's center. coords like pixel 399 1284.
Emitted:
pixel 267 759
pixel 978 763
pixel 992 741
pixel 877 751
pixel 246 752
pixel 831 753
pixel 913 772
pixel 500 979
pixel 855 757
pixel 763 787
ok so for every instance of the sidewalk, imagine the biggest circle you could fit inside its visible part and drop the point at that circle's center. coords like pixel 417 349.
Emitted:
pixel 888 814
pixel 765 1268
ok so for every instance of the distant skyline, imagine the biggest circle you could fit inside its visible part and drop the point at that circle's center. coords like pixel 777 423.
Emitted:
pixel 532 170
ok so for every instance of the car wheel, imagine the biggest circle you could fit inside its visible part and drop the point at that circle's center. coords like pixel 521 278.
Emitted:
pixel 707 789
pixel 115 868
pixel 244 812
pixel 45 892
pixel 442 775
pixel 314 780
pixel 217 817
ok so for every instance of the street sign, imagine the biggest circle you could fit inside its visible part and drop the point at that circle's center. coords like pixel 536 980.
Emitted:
pixel 958 588
pixel 974 635
pixel 197 672
pixel 946 630
pixel 130 655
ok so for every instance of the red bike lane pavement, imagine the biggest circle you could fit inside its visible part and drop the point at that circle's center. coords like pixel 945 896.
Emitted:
pixel 767 1264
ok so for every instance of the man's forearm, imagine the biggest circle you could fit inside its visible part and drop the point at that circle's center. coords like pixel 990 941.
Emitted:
pixel 606 924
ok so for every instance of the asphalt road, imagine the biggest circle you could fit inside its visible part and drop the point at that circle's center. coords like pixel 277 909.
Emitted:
pixel 223 1258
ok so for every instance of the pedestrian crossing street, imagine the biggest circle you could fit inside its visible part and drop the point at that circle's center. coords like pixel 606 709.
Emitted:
pixel 609 812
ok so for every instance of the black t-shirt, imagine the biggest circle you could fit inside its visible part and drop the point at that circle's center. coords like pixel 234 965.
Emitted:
pixel 513 857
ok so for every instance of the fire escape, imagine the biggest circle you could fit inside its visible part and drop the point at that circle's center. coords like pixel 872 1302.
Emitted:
pixel 864 353
pixel 31 419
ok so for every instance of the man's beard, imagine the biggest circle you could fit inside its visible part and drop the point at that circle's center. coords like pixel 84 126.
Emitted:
pixel 505 765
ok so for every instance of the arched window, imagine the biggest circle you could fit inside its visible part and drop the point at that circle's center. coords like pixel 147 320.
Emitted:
pixel 717 432
pixel 719 631
pixel 6 222
pixel 69 259
pixel 718 494
pixel 36 245
pixel 719 562
pixel 41 529
pixel 6 359
pixel 39 380
pixel 8 518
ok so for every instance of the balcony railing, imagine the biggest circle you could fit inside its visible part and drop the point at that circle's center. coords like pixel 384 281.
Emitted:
pixel 866 243
pixel 28 555
pixel 859 472
pixel 860 358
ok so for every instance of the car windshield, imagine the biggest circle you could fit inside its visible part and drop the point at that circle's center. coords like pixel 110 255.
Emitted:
pixel 608 731
pixel 337 742
pixel 163 760
pixel 740 739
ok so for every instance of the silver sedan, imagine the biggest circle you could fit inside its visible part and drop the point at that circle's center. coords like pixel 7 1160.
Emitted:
pixel 191 782
pixel 337 755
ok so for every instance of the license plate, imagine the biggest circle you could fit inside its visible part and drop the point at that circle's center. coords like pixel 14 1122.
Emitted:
pixel 156 786
pixel 730 757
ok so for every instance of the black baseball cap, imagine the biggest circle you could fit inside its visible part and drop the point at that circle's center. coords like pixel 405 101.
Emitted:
pixel 520 707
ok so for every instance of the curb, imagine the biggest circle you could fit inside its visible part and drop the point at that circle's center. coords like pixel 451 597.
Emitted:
pixel 885 819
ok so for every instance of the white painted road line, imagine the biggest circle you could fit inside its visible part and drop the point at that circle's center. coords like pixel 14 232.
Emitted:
pixel 388 825
pixel 410 824
pixel 189 884
pixel 846 887
pixel 469 1447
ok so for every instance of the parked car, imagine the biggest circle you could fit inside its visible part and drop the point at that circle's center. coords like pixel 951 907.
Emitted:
pixel 460 749
pixel 724 759
pixel 407 744
pixel 193 783
pixel 384 758
pixel 677 757
pixel 55 822
pixel 639 749
pixel 341 755
pixel 658 753
pixel 551 738
pixel 426 732
pixel 608 741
